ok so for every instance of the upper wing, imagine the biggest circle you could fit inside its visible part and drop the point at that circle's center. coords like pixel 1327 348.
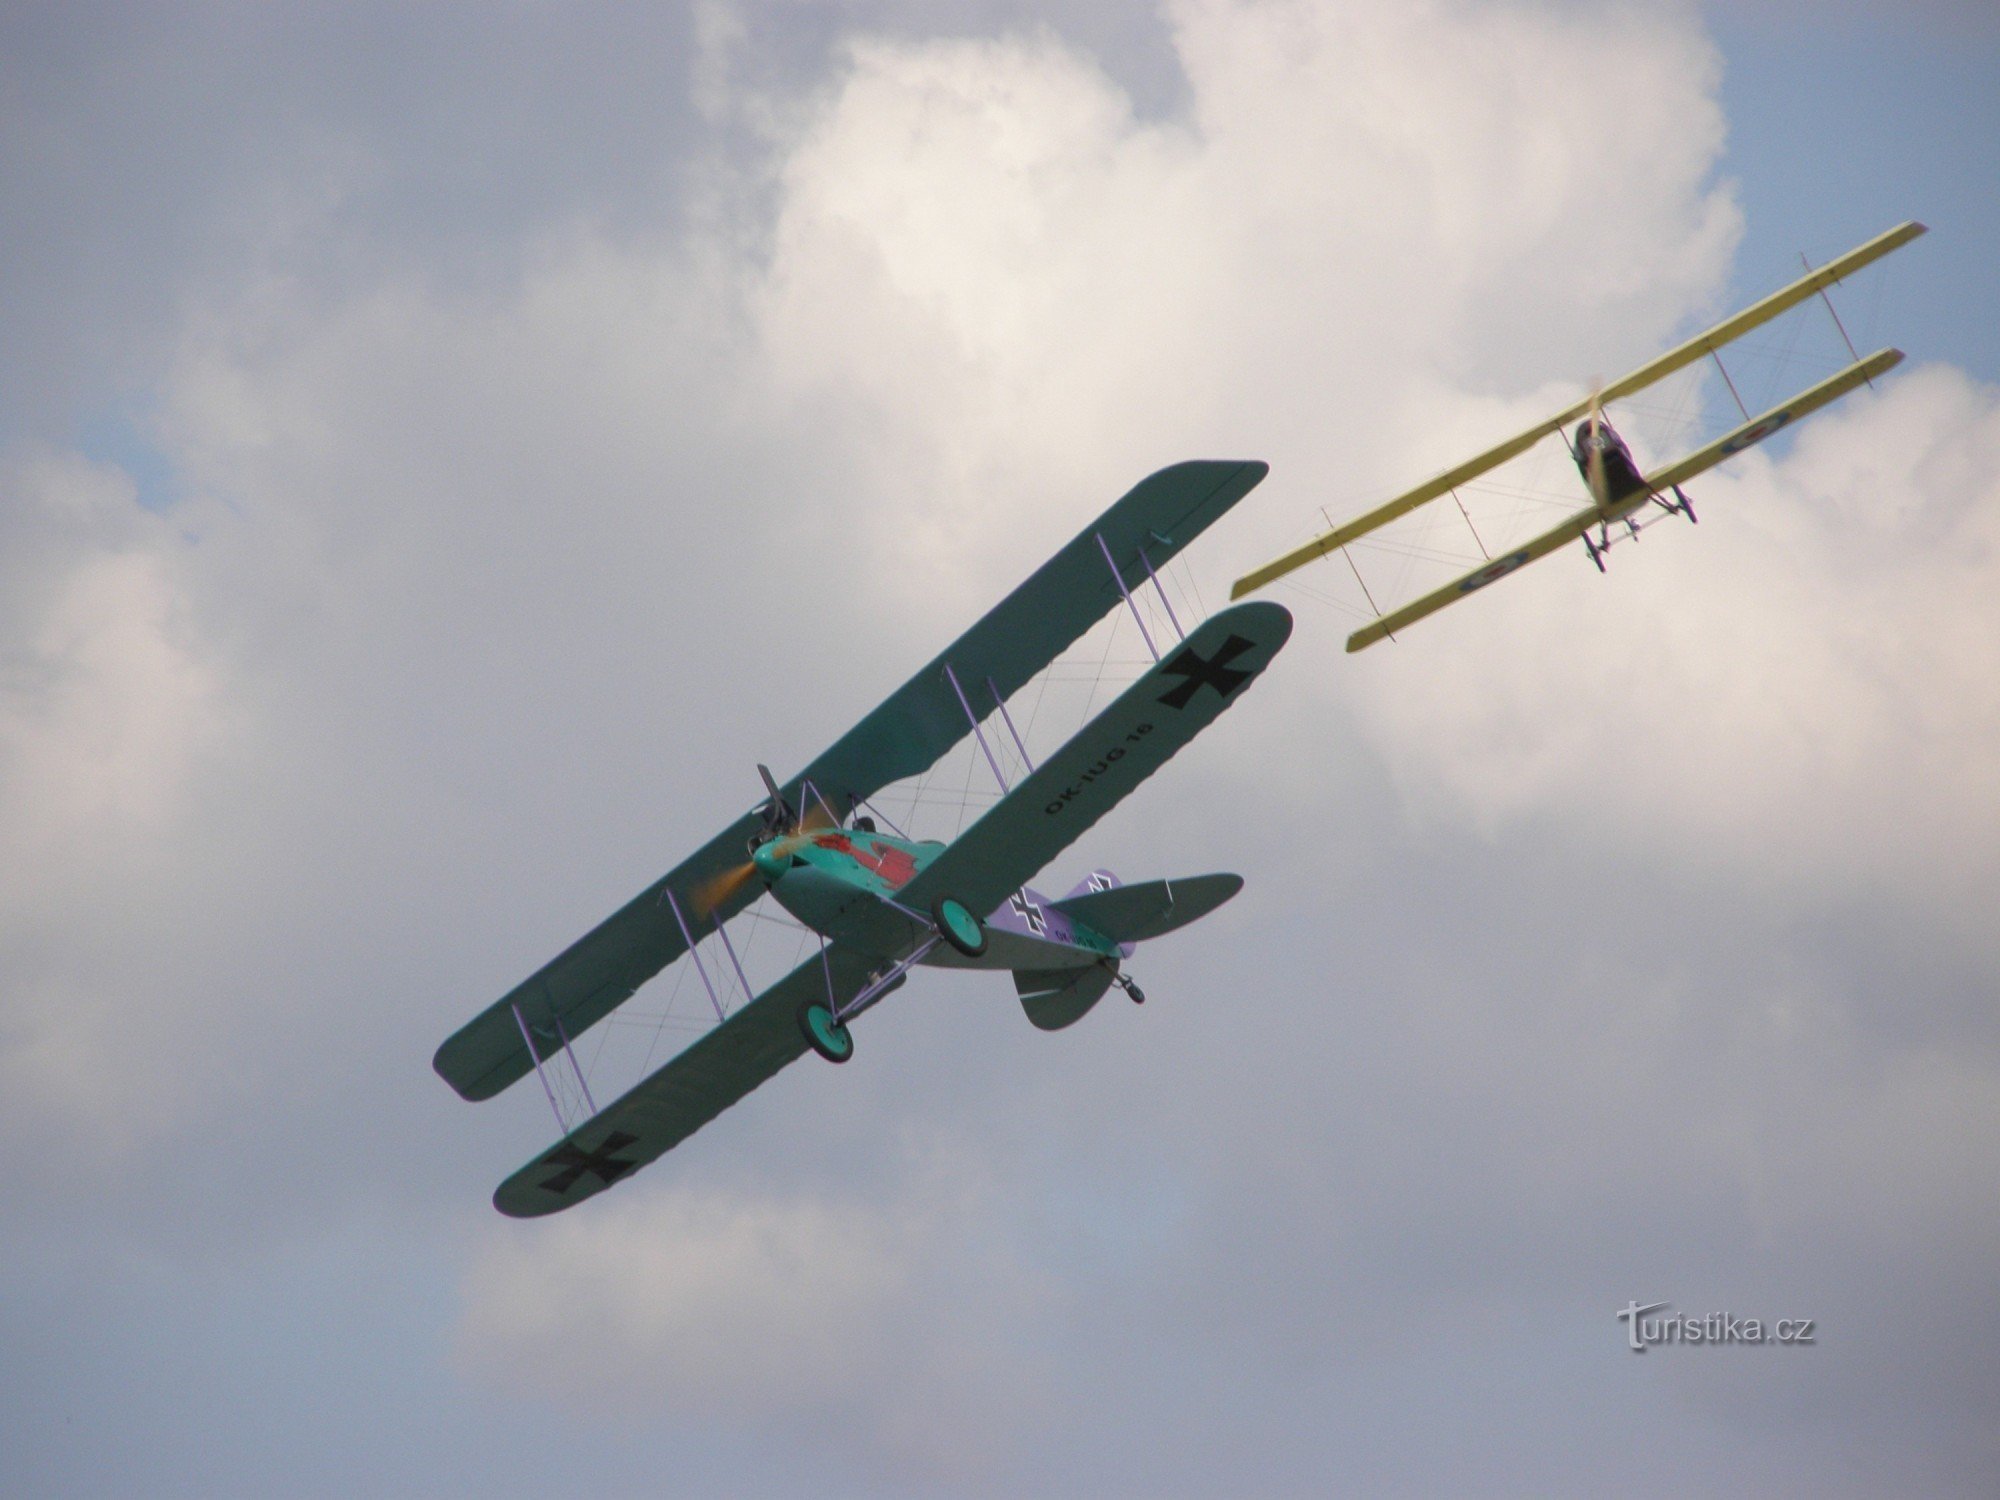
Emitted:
pixel 1682 355
pixel 921 721
pixel 1032 626
pixel 1734 441
pixel 1756 314
pixel 1100 766
pixel 678 1099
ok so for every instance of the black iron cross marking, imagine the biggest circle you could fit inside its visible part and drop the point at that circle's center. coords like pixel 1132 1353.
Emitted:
pixel 575 1161
pixel 1214 672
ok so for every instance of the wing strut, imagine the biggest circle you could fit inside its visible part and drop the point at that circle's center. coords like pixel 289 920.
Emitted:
pixel 977 733
pixel 1008 719
pixel 1474 529
pixel 699 967
pixel 521 1021
pixel 1130 603
pixel 1852 352
pixel 1160 589
pixel 1723 370
pixel 1365 593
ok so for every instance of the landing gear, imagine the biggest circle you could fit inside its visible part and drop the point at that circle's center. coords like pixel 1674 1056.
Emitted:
pixel 1137 995
pixel 825 1035
pixel 1596 550
pixel 958 927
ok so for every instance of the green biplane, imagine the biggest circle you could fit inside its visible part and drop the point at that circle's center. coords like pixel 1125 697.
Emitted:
pixel 883 903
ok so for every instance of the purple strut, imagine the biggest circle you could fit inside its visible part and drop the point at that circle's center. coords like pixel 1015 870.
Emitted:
pixel 972 719
pixel 1130 603
pixel 688 937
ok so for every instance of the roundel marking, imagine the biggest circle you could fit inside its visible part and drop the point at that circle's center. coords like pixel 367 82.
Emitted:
pixel 1493 571
pixel 1758 433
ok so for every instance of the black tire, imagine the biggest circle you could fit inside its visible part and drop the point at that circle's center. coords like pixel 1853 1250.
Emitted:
pixel 826 1036
pixel 958 926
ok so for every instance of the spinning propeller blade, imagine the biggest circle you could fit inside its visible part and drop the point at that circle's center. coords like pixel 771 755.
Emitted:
pixel 713 892
pixel 1594 473
pixel 779 820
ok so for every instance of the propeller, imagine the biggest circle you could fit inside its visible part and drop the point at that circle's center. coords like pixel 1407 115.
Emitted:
pixel 779 821
pixel 1594 455
pixel 717 889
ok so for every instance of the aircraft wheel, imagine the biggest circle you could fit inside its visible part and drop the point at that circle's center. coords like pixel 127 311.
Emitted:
pixel 959 927
pixel 826 1036
pixel 1138 995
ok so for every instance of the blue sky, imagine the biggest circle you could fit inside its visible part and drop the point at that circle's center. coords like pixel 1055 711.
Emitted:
pixel 1846 121
pixel 421 439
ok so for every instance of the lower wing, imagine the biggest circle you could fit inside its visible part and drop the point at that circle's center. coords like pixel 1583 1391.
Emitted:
pixel 1702 459
pixel 674 1102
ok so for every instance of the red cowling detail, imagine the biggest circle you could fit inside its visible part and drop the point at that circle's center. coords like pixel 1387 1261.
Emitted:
pixel 895 866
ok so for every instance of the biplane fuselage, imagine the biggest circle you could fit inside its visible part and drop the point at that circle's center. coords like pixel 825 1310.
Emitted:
pixel 1609 473
pixel 842 883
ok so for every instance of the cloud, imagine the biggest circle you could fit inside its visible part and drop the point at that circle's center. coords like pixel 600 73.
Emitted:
pixel 1009 285
pixel 892 1329
pixel 112 703
pixel 108 697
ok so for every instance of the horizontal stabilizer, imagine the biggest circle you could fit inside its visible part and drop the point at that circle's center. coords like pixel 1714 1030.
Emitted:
pixel 1135 913
pixel 1055 998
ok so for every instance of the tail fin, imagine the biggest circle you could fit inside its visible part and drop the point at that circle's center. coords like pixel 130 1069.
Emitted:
pixel 1096 880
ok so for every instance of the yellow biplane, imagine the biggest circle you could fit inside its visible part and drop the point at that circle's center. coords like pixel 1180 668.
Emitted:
pixel 1618 490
